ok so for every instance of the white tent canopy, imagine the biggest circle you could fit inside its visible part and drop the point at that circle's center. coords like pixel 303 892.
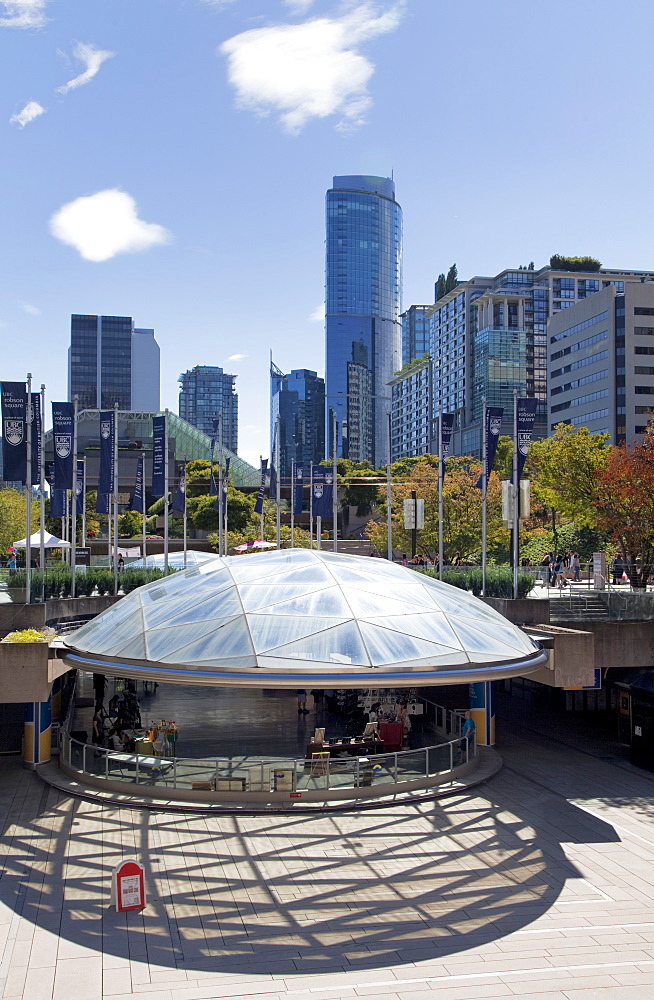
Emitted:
pixel 49 542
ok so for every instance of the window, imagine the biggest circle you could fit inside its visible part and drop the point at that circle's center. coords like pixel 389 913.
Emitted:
pixel 644 331
pixel 644 390
pixel 580 400
pixel 643 370
pixel 643 311
pixel 644 350
pixel 580 326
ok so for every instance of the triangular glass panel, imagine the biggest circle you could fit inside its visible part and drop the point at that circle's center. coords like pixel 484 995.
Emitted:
pixel 385 646
pixel 270 631
pixel 458 601
pixel 161 612
pixel 327 602
pixel 222 605
pixel 345 573
pixel 341 645
pixel 268 593
pixel 503 632
pixel 365 603
pixel 232 641
pixel 431 626
pixel 162 642
pixel 134 649
pixel 110 631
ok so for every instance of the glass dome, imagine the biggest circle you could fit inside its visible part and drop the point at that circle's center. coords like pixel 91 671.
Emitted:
pixel 284 618
pixel 175 560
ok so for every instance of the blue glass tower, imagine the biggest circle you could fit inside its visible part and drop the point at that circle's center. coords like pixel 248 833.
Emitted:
pixel 363 303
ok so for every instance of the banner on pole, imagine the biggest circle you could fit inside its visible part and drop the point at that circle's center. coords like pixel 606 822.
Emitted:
pixel 158 458
pixel 14 432
pixel 37 457
pixel 107 439
pixel 494 416
pixel 322 491
pixel 58 503
pixel 138 500
pixel 525 426
pixel 258 507
pixel 62 436
pixel 179 500
pixel 298 489
pixel 446 428
pixel 102 503
pixel 80 487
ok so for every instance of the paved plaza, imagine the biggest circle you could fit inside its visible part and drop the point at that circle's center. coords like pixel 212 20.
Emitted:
pixel 537 884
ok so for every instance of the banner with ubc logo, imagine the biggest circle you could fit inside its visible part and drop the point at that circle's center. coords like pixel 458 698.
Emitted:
pixel 14 437
pixel 107 471
pixel 62 439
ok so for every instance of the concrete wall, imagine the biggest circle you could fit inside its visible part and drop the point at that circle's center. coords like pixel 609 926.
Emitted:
pixel 524 611
pixel 27 670
pixel 20 616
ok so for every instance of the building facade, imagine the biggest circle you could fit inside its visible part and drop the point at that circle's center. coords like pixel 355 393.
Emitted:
pixel 489 339
pixel 363 304
pixel 110 361
pixel 415 333
pixel 411 412
pixel 601 363
pixel 299 399
pixel 206 394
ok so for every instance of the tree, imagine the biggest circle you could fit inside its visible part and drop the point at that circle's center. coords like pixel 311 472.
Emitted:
pixel 204 516
pixel 440 287
pixel 452 279
pixel 13 513
pixel 353 490
pixel 130 522
pixel 563 468
pixel 623 500
pixel 561 263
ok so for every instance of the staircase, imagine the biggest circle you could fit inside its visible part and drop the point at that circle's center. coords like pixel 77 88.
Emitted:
pixel 573 607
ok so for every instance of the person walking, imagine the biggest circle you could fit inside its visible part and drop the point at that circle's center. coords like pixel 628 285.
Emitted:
pixel 467 737
pixel 575 567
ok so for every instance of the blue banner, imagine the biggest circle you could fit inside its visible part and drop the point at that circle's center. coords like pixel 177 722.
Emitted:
pixel 102 503
pixel 80 486
pixel 37 457
pixel 49 473
pixel 58 503
pixel 107 482
pixel 298 489
pixel 525 426
pixel 274 462
pixel 158 460
pixel 258 507
pixel 62 437
pixel 446 428
pixel 179 500
pixel 138 500
pixel 14 432
pixel 322 488
pixel 494 416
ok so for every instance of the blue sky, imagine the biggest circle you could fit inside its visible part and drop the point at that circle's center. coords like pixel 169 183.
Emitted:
pixel 168 159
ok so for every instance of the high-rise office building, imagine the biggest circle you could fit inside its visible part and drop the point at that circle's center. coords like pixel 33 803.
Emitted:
pixel 415 333
pixel 206 393
pixel 489 338
pixel 299 399
pixel 411 411
pixel 110 361
pixel 601 362
pixel 363 303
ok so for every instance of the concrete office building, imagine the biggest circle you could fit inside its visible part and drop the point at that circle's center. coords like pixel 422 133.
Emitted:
pixel 601 362
pixel 363 302
pixel 206 393
pixel 488 337
pixel 411 412
pixel 112 361
pixel 299 399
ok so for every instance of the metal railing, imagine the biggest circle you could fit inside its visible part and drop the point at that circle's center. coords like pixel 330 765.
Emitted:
pixel 243 774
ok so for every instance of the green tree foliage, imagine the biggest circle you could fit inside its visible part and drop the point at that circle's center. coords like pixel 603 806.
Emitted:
pixel 204 516
pixel 441 289
pixel 13 513
pixel 353 490
pixel 561 263
pixel 452 279
pixel 562 469
pixel 130 523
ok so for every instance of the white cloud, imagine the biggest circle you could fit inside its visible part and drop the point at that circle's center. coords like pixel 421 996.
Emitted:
pixel 309 70
pixel 237 357
pixel 32 310
pixel 23 13
pixel 317 315
pixel 105 224
pixel 92 59
pixel 298 6
pixel 31 111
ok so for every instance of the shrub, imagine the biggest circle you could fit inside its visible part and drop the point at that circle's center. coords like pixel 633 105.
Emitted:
pixel 499 580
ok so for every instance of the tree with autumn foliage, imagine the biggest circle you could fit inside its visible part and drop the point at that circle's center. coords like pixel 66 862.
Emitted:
pixel 623 501
pixel 461 510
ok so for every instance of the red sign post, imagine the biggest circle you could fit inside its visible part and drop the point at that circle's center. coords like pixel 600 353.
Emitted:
pixel 128 886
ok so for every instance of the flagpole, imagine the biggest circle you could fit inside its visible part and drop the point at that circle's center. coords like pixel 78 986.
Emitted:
pixel 28 511
pixel 83 503
pixel 311 505
pixel 73 551
pixel 440 494
pixel 334 486
pixel 292 503
pixel 515 492
pixel 145 555
pixel 42 491
pixel 115 498
pixel 166 492
pixel 221 548
pixel 185 492
pixel 318 532
pixel 389 499
pixel 225 537
pixel 484 490
pixel 278 485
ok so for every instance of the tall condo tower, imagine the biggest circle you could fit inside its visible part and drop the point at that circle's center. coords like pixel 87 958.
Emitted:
pixel 363 280
pixel 207 392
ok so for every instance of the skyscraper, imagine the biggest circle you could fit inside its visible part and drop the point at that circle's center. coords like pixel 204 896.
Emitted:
pixel 206 392
pixel 299 399
pixel 110 361
pixel 363 302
